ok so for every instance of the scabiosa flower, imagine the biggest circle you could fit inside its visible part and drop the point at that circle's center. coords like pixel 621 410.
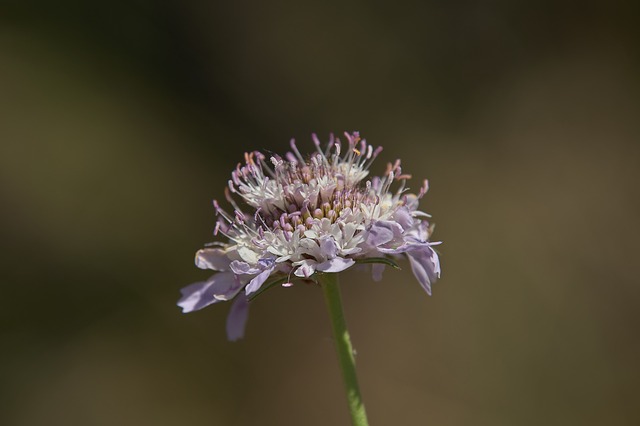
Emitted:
pixel 305 216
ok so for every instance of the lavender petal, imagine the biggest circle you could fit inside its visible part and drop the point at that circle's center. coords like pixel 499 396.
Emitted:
pixel 255 284
pixel 237 318
pixel 221 286
pixel 212 258
pixel 243 268
pixel 337 264
pixel 383 232
pixel 379 235
pixel 403 217
pixel 306 269
pixel 328 247
pixel 425 266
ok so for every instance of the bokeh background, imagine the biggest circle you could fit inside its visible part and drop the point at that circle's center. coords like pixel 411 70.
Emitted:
pixel 120 121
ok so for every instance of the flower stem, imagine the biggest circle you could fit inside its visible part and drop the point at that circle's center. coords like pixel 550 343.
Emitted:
pixel 329 284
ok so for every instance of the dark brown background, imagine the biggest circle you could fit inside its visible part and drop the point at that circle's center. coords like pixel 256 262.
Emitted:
pixel 120 121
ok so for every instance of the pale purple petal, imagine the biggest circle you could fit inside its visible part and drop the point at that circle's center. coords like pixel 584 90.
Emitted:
pixel 255 284
pixel 237 318
pixel 379 235
pixel 419 233
pixel 221 286
pixel 383 232
pixel 212 258
pixel 328 247
pixel 196 296
pixel 403 217
pixel 425 266
pixel 407 247
pixel 243 268
pixel 402 249
pixel 435 259
pixel 266 262
pixel 306 269
pixel 337 264
pixel 228 289
pixel 377 269
pixel 352 250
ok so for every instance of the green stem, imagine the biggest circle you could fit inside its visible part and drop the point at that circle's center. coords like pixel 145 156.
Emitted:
pixel 329 283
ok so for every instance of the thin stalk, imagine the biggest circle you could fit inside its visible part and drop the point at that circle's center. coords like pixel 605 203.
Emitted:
pixel 329 284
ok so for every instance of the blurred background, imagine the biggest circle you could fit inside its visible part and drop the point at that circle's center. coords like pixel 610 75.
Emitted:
pixel 120 122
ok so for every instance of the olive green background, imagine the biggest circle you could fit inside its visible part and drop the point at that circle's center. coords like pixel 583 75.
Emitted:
pixel 120 122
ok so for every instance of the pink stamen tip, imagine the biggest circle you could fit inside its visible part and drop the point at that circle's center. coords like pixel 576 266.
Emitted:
pixel 291 158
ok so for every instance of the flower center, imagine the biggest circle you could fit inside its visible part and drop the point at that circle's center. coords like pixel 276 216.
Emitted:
pixel 293 193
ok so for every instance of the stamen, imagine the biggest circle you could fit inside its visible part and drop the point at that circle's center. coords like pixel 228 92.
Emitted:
pixel 369 151
pixel 291 158
pixel 231 201
pixel 292 143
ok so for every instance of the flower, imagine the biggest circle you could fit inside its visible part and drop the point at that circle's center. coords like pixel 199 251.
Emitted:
pixel 307 216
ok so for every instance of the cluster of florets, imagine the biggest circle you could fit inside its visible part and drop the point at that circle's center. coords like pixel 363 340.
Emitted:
pixel 307 216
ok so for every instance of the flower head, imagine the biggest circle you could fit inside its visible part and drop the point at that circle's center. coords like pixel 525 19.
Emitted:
pixel 295 216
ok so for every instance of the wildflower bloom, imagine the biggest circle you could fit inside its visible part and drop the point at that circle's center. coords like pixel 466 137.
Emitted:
pixel 305 216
